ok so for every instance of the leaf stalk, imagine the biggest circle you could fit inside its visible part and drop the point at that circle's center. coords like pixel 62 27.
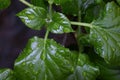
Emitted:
pixel 26 3
pixel 82 24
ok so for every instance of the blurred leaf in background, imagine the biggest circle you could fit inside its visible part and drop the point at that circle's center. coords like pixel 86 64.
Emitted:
pixel 4 4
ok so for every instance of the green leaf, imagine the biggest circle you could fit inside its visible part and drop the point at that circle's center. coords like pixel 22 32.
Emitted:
pixel 98 1
pixel 72 9
pixel 76 5
pixel 84 69
pixel 33 17
pixel 6 74
pixel 107 72
pixel 92 13
pixel 60 1
pixel 84 39
pixel 40 3
pixel 60 24
pixel 51 1
pixel 110 17
pixel 4 4
pixel 31 66
pixel 105 36
pixel 118 2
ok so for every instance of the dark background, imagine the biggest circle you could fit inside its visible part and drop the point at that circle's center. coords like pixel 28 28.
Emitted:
pixel 14 35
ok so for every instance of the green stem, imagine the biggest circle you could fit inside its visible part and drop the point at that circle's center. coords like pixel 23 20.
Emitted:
pixel 79 20
pixel 82 24
pixel 46 36
pixel 43 55
pixel 47 33
pixel 26 3
pixel 45 39
pixel 79 29
pixel 50 11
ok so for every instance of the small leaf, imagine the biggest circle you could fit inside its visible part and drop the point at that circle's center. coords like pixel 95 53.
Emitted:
pixel 33 17
pixel 60 24
pixel 105 36
pixel 6 74
pixel 31 66
pixel 4 4
pixel 84 69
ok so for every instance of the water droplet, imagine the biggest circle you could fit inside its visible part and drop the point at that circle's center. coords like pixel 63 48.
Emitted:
pixel 27 21
pixel 34 45
pixel 48 20
pixel 103 53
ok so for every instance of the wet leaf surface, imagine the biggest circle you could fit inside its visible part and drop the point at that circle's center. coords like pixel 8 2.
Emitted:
pixel 4 4
pixel 34 17
pixel 60 24
pixel 6 74
pixel 105 36
pixel 32 66
pixel 84 69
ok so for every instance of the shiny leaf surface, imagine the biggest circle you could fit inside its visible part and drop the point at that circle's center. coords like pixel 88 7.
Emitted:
pixel 106 35
pixel 33 17
pixel 4 4
pixel 60 24
pixel 110 17
pixel 84 69
pixel 31 66
pixel 6 74
pixel 107 72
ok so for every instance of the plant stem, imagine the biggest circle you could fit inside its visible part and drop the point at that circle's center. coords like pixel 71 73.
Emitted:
pixel 45 39
pixel 79 29
pixel 79 20
pixel 50 11
pixel 82 24
pixel 26 3
pixel 47 33
pixel 43 55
